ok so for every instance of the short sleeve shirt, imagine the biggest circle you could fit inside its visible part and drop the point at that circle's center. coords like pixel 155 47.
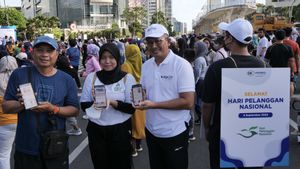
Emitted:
pixel 211 91
pixel 165 82
pixel 263 43
pixel 59 89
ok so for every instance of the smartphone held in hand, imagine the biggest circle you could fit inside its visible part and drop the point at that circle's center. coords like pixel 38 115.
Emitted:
pixel 28 96
pixel 100 97
pixel 137 94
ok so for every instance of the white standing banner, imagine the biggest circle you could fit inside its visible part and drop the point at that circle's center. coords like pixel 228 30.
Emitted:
pixel 9 31
pixel 255 117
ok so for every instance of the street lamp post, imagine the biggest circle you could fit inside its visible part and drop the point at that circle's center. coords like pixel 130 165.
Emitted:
pixel 7 21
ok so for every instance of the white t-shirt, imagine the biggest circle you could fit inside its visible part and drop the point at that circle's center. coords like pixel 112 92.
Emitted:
pixel 164 82
pixel 263 43
pixel 116 91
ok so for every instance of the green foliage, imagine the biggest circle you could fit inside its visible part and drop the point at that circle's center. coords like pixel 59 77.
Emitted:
pixel 40 25
pixel 57 32
pixel 159 17
pixel 133 17
pixel 296 13
pixel 14 18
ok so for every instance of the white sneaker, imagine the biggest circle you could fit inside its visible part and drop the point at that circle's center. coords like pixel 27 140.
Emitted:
pixel 139 149
pixel 74 132
pixel 134 153
pixel 85 117
pixel 192 138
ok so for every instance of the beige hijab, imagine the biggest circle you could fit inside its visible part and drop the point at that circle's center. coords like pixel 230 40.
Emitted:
pixel 7 65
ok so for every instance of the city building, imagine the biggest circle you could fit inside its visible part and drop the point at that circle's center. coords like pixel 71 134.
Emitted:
pixel 86 14
pixel 179 27
pixel 216 11
pixel 153 6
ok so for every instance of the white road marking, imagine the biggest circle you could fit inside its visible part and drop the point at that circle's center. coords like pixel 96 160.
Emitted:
pixel 78 150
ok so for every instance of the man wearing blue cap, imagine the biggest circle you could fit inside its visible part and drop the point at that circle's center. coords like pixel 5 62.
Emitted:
pixel 56 95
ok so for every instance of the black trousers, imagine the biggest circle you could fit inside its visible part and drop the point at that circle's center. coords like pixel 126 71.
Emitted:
pixel 214 153
pixel 168 153
pixel 26 161
pixel 110 146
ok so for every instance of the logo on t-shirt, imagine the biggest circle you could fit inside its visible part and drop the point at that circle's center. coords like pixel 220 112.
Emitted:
pixel 166 77
pixel 117 87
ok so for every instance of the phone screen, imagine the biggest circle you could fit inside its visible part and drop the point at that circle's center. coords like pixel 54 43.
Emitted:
pixel 137 93
pixel 100 97
pixel 28 96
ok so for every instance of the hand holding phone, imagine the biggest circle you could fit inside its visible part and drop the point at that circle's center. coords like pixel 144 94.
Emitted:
pixel 28 96
pixel 137 94
pixel 100 97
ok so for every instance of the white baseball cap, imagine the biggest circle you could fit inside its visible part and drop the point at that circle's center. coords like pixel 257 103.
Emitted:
pixel 155 31
pixel 240 29
pixel 21 56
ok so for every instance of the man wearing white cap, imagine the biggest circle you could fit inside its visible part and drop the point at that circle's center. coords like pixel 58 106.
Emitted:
pixel 169 83
pixel 238 34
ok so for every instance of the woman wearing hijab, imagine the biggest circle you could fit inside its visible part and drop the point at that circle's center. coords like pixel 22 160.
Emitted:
pixel 109 135
pixel 200 63
pixel 92 63
pixel 200 68
pixel 133 65
pixel 8 122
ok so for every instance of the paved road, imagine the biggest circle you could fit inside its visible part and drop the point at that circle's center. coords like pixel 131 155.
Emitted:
pixel 198 153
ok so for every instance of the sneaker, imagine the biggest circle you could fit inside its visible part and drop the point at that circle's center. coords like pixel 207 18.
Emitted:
pixel 74 132
pixel 134 153
pixel 192 138
pixel 85 117
pixel 139 149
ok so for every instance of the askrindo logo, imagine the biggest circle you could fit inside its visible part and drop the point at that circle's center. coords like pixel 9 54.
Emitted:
pixel 252 73
pixel 255 130
pixel 248 133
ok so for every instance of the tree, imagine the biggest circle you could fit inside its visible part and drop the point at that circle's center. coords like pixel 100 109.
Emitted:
pixel 133 17
pixel 159 18
pixel 296 13
pixel 112 33
pixel 40 25
pixel 268 10
pixel 11 16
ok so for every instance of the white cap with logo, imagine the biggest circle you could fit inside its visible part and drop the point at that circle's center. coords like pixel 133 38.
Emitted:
pixel 240 29
pixel 155 31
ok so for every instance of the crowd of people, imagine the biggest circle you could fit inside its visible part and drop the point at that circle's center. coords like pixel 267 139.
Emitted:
pixel 181 78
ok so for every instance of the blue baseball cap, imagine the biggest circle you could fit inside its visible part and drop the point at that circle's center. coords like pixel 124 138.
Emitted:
pixel 47 40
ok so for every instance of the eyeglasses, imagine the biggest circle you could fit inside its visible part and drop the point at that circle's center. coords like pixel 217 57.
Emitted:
pixel 157 41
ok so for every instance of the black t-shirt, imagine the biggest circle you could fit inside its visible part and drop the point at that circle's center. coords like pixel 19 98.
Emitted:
pixel 211 91
pixel 279 54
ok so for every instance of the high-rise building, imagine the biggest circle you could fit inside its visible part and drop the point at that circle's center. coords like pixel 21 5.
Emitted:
pixel 32 8
pixel 154 6
pixel 88 14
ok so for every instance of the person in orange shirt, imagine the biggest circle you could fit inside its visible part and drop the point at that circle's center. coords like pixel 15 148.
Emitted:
pixel 133 65
pixel 8 122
